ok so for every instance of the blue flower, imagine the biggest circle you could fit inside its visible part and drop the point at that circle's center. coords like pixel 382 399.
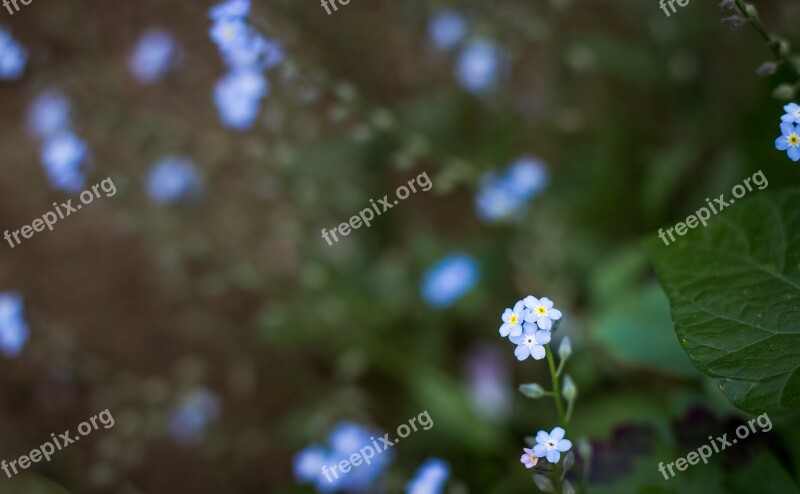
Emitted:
pixel 789 141
pixel 551 445
pixel 62 155
pixel 173 179
pixel 448 280
pixel 503 197
pixel 308 465
pixel 230 34
pixel 489 383
pixel 154 55
pixel 478 66
pixel 189 420
pixel 232 9
pixel 527 176
pixel 13 56
pixel 238 98
pixel 253 51
pixel 446 29
pixel 430 478
pixel 792 113
pixel 49 114
pixel 13 328
pixel 512 320
pixel 531 342
pixel 541 311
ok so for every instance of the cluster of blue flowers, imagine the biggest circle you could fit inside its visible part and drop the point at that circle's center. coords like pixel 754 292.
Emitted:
pixel 344 440
pixel 190 418
pixel 173 179
pixel 448 280
pixel 13 328
pixel 504 197
pixel 247 54
pixel 13 56
pixel 528 326
pixel 63 153
pixel 789 140
pixel 479 61
pixel 155 54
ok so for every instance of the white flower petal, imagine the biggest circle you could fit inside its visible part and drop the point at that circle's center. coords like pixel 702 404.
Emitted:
pixel 522 352
pixel 563 445
pixel 542 337
pixel 544 322
pixel 505 329
pixel 557 434
pixel 516 330
pixel 546 302
pixel 530 301
pixel 537 351
pixel 554 314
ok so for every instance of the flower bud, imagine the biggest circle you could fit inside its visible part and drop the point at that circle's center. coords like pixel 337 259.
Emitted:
pixel 570 391
pixel 733 21
pixel 584 448
pixel 767 69
pixel 564 349
pixel 726 4
pixel 532 390
pixel 784 92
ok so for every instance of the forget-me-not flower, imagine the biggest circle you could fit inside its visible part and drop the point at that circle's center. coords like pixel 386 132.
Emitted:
pixel 448 280
pixel 541 311
pixel 154 55
pixel 789 141
pixel 526 176
pixel 446 29
pixel 528 458
pixel 551 445
pixel 173 179
pixel 232 9
pixel 478 66
pixel 503 197
pixel 430 478
pixel 13 328
pixel 230 33
pixel 62 155
pixel 253 51
pixel 48 114
pixel 238 98
pixel 792 113
pixel 13 56
pixel 189 420
pixel 531 342
pixel 513 319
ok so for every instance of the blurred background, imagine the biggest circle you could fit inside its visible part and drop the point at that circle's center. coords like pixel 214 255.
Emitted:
pixel 200 305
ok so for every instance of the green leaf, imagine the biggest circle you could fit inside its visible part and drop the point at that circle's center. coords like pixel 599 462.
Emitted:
pixel 734 290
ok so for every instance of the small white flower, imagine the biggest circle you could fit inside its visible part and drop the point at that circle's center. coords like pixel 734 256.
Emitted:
pixel 512 320
pixel 541 311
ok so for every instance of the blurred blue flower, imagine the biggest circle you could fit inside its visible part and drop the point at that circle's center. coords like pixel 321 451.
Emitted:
pixel 254 51
pixel 430 478
pixel 478 66
pixel 531 342
pixel 489 382
pixel 789 141
pixel 173 179
pixel 503 198
pixel 448 280
pixel 13 328
pixel 62 155
pixel 551 445
pixel 13 56
pixel 238 98
pixel 49 113
pixel 190 418
pixel 527 176
pixel 344 440
pixel 446 29
pixel 230 34
pixel 792 113
pixel 232 9
pixel 154 55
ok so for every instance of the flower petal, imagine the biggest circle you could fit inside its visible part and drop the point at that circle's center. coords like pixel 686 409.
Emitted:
pixel 794 153
pixel 546 302
pixel 517 340
pixel 530 316
pixel 788 118
pixel 506 315
pixel 530 301
pixel 553 455
pixel 557 434
pixel 540 450
pixel 537 351
pixel 518 307
pixel 542 437
pixel 554 314
pixel 787 129
pixel 522 352
pixel 544 322
pixel 505 329
pixel 563 445
pixel 542 337
pixel 528 451
pixel 516 330
pixel 782 143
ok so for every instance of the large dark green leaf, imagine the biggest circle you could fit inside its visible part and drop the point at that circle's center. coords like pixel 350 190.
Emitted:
pixel 734 290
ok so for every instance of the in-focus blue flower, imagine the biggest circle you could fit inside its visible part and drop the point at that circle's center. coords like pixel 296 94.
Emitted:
pixel 173 179
pixel 13 328
pixel 154 55
pixel 448 280
pixel 13 56
pixel 238 98
pixel 541 311
pixel 49 114
pixel 551 445
pixel 792 113
pixel 430 478
pixel 789 141
pixel 531 342
pixel 63 154
pixel 446 29
pixel 512 320
pixel 232 9
pixel 478 66
pixel 188 421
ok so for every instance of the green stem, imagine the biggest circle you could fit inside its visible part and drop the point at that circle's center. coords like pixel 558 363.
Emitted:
pixel 773 43
pixel 556 392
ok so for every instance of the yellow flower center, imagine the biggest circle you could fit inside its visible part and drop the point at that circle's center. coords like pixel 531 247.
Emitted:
pixel 513 319
pixel 228 32
pixel 534 459
pixel 541 310
pixel 794 140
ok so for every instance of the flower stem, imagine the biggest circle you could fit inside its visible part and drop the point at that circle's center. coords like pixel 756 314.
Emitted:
pixel 556 392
